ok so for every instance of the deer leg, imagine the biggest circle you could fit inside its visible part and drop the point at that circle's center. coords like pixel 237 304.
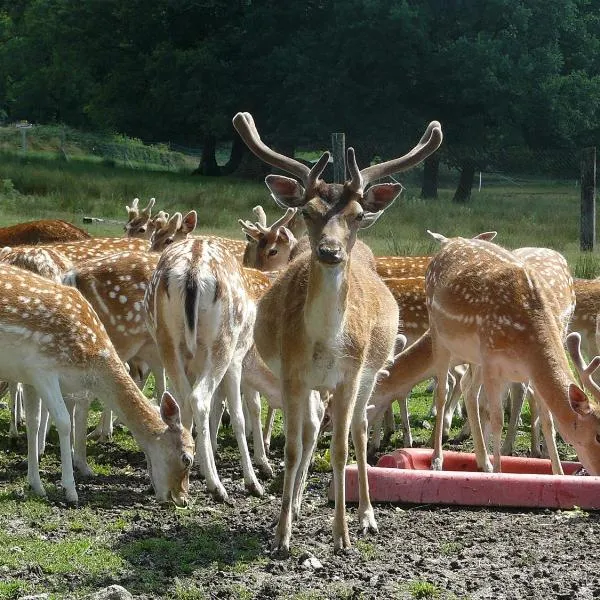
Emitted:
pixel 442 359
pixel 217 409
pixel 495 388
pixel 49 389
pixel 342 406
pixel 547 423
pixel 366 516
pixel 407 440
pixel 252 400
pixel 517 398
pixel 268 429
pixel 80 417
pixel 293 401
pixel 231 386
pixel 451 406
pixel 536 444
pixel 44 427
pixel 32 416
pixel 14 400
pixel 471 394
pixel 313 415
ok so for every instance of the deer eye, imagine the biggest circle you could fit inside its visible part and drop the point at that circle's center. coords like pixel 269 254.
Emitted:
pixel 169 241
pixel 142 230
pixel 187 460
pixel 360 216
pixel 272 251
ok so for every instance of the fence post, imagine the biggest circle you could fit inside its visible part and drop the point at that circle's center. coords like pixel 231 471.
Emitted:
pixel 338 145
pixel 588 199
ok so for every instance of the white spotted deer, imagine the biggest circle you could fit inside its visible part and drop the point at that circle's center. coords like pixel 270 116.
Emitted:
pixel 201 314
pixel 489 308
pixel 328 323
pixel 52 340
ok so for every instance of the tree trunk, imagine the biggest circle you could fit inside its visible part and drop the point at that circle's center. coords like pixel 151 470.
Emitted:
pixel 208 161
pixel 431 171
pixel 238 149
pixel 465 183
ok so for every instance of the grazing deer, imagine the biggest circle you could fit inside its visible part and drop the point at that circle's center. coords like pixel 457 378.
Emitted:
pixel 488 307
pixel 328 323
pixel 115 285
pixel 52 340
pixel 43 231
pixel 200 310
pixel 50 264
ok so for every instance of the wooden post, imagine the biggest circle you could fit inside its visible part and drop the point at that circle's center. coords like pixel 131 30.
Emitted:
pixel 588 199
pixel 338 146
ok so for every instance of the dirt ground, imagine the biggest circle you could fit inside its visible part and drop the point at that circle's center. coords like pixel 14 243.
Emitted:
pixel 420 551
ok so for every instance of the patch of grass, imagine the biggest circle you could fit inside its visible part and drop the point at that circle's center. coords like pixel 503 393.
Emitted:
pixel 187 590
pixel 367 550
pixel 13 589
pixel 450 548
pixel 87 555
pixel 423 590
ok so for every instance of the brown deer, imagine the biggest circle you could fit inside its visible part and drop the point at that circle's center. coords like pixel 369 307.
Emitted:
pixel 488 307
pixel 43 231
pixel 52 341
pixel 328 323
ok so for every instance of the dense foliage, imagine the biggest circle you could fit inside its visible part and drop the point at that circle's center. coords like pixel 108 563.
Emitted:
pixel 507 78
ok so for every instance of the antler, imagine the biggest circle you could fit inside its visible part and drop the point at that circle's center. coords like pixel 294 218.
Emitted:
pixel 584 371
pixel 259 212
pixel 428 144
pixel 148 208
pixel 250 229
pixel 133 210
pixel 257 230
pixel 244 124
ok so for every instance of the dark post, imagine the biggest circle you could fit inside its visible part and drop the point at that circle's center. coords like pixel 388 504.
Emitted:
pixel 588 199
pixel 338 145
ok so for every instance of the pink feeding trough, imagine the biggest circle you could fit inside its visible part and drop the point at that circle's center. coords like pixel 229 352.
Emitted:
pixel 405 476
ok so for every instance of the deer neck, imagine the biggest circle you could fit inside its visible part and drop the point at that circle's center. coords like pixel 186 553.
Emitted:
pixel 122 395
pixel 326 301
pixel 409 368
pixel 550 379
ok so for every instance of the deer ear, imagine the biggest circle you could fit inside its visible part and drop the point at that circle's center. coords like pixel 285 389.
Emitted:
pixel 369 219
pixel 287 192
pixel 174 222
pixel 488 236
pixel 286 235
pixel 169 411
pixel 380 196
pixel 189 222
pixel 579 401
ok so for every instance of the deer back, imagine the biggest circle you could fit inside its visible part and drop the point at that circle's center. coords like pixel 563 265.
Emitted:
pixel 43 231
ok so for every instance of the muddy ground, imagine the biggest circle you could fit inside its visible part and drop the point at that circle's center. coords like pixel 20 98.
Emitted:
pixel 222 550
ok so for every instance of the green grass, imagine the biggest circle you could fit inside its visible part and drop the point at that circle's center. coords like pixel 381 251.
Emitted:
pixel 534 213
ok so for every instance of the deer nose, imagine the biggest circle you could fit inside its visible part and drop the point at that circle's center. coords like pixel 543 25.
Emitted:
pixel 329 253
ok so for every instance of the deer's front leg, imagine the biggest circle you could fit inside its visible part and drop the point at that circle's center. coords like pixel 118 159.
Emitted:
pixel 366 516
pixel 294 399
pixel 342 407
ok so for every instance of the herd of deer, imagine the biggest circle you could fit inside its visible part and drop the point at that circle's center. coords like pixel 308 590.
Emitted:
pixel 310 321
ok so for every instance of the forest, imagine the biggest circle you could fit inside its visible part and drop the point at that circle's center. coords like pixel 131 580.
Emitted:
pixel 515 83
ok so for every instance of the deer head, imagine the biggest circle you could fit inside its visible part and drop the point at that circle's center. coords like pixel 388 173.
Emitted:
pixel 333 212
pixel 138 222
pixel 273 244
pixel 176 229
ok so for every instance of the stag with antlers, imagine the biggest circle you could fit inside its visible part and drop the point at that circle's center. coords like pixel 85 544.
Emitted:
pixel 328 323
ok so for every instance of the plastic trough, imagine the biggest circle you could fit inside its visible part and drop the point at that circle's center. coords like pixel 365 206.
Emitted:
pixel 405 476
